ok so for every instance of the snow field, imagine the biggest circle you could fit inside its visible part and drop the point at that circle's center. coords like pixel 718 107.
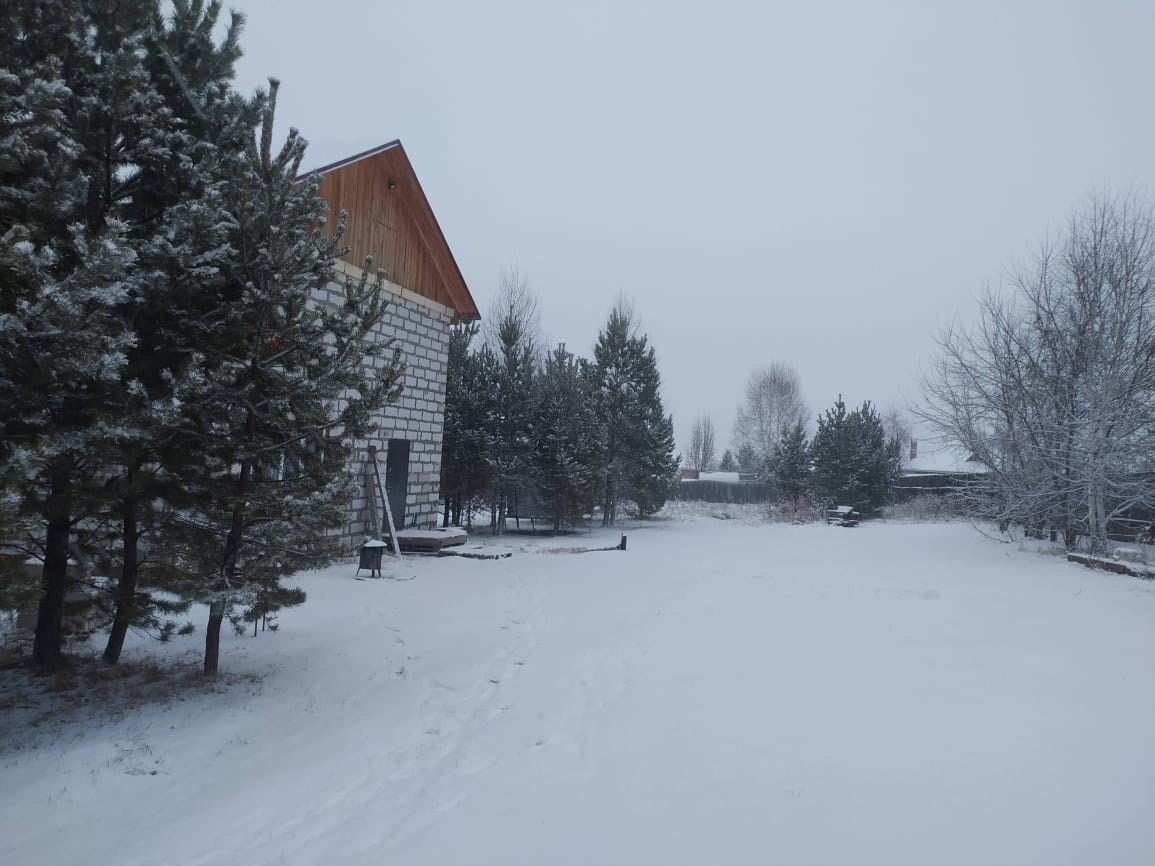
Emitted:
pixel 719 693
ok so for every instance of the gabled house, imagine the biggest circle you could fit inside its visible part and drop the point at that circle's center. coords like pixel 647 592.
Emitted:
pixel 390 219
pixel 931 465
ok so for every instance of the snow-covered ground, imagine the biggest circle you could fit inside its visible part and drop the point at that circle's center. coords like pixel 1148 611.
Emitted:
pixel 721 692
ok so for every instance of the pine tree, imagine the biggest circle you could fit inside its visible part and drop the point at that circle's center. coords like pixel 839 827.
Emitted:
pixel 180 216
pixel 465 443
pixel 747 459
pixel 511 452
pixel 81 124
pixel 854 464
pixel 791 464
pixel 728 463
pixel 615 360
pixel 653 468
pixel 279 386
pixel 566 443
pixel 638 437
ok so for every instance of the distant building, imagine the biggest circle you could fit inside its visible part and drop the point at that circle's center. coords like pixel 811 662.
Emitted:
pixel 930 465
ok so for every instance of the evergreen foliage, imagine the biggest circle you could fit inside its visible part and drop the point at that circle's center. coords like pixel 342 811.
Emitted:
pixel 728 463
pixel 566 441
pixel 638 437
pixel 511 429
pixel 747 459
pixel 278 386
pixel 466 433
pixel 853 462
pixel 791 464
pixel 84 132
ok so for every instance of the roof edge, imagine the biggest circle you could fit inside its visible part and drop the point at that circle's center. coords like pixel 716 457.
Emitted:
pixel 357 157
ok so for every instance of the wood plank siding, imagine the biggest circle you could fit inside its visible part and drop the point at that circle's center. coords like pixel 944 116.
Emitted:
pixel 391 220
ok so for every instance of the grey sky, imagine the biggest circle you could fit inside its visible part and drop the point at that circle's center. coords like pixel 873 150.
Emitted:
pixel 817 183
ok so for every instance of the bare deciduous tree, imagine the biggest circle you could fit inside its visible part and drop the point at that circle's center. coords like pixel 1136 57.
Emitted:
pixel 773 406
pixel 1054 389
pixel 707 443
pixel 694 452
pixel 700 454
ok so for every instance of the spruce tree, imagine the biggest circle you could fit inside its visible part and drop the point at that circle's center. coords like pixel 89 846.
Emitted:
pixel 280 384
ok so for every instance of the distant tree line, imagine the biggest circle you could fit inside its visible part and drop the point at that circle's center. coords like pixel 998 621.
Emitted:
pixel 853 458
pixel 552 435
pixel 176 408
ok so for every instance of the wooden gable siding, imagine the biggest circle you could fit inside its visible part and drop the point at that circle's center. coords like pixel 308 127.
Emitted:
pixel 396 227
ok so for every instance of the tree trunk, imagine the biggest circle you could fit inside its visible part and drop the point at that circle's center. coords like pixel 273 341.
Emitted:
pixel 126 586
pixel 232 551
pixel 213 637
pixel 48 644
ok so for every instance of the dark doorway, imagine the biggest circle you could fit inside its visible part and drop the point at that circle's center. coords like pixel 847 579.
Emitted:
pixel 397 478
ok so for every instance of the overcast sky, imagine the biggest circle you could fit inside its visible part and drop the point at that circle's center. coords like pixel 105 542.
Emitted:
pixel 816 183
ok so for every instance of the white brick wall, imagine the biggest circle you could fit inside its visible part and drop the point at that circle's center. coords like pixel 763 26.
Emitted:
pixel 423 337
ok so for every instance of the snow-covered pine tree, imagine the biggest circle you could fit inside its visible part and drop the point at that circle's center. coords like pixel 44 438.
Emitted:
pixel 615 362
pixel 791 464
pixel 510 438
pixel 79 121
pixel 178 214
pixel 638 437
pixel 653 468
pixel 854 464
pixel 728 463
pixel 464 444
pixel 830 455
pixel 279 386
pixel 565 437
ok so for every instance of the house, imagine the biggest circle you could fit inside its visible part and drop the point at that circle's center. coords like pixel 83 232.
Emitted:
pixel 390 219
pixel 931 465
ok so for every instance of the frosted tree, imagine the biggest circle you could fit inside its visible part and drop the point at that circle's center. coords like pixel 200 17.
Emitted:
pixel 700 454
pixel 84 128
pixel 1053 390
pixel 512 338
pixel 772 406
pixel 637 436
pixel 177 210
pixel 280 384
pixel 470 399
pixel 853 462
pixel 694 449
pixel 791 464
pixel 566 437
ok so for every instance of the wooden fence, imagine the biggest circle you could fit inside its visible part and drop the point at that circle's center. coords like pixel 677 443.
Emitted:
pixel 740 493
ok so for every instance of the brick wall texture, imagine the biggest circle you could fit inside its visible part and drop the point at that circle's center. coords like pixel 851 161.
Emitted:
pixel 422 334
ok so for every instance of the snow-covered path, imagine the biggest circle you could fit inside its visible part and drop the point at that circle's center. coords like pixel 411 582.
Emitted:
pixel 719 693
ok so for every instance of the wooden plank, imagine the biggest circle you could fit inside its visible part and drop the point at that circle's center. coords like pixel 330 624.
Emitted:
pixel 415 254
